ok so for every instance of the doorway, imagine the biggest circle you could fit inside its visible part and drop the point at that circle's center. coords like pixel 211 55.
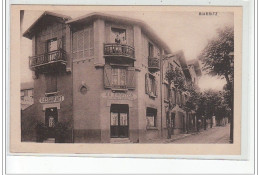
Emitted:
pixel 51 119
pixel 119 121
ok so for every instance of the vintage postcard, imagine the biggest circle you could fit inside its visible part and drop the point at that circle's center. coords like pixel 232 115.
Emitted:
pixel 126 79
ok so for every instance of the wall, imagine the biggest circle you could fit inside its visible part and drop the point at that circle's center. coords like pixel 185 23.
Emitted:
pixel 51 30
pixel 144 100
pixel 86 107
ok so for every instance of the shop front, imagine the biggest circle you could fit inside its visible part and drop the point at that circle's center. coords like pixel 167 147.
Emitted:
pixel 119 117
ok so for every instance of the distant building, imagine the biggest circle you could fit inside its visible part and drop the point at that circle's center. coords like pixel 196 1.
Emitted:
pixel 26 94
pixel 99 75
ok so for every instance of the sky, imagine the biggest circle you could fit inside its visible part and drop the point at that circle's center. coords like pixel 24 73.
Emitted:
pixel 187 31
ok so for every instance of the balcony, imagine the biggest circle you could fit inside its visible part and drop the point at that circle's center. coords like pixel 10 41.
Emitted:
pixel 122 51
pixel 153 64
pixel 55 59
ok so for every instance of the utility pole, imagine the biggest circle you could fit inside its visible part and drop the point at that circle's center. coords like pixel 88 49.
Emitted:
pixel 162 60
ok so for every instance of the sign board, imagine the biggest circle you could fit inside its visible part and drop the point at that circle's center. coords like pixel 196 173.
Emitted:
pixel 52 99
pixel 119 96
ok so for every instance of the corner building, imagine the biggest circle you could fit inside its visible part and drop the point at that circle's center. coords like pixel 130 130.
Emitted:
pixel 99 75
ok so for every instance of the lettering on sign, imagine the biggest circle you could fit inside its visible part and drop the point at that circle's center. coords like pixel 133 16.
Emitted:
pixel 52 99
pixel 119 96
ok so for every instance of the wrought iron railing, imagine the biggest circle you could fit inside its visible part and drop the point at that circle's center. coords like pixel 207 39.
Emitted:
pixel 153 63
pixel 123 50
pixel 46 58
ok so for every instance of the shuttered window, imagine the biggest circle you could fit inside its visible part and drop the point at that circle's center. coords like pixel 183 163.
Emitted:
pixel 119 77
pixel 83 43
pixel 51 82
pixel 166 92
pixel 151 85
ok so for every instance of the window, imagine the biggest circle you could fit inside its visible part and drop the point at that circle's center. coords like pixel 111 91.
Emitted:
pixel 83 43
pixel 166 92
pixel 118 77
pixel 178 97
pixel 173 96
pixel 150 50
pixel 51 82
pixel 22 95
pixel 52 45
pixel 151 114
pixel 150 85
pixel 30 93
pixel 118 35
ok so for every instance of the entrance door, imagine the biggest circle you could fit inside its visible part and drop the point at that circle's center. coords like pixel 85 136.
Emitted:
pixel 119 126
pixel 51 119
pixel 172 122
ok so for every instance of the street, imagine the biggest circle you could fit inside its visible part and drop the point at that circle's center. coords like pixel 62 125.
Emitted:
pixel 218 134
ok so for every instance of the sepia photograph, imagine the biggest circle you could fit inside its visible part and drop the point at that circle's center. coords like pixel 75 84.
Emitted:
pixel 128 77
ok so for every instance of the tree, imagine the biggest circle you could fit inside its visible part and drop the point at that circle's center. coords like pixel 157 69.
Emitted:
pixel 173 76
pixel 216 57
pixel 217 61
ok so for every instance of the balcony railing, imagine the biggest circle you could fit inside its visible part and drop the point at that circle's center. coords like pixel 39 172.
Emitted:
pixel 56 56
pixel 119 50
pixel 153 64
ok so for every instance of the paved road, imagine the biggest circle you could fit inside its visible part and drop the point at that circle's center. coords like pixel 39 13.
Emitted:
pixel 211 135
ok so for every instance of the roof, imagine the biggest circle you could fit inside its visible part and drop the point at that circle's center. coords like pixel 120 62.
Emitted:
pixel 145 28
pixel 27 85
pixel 29 32
pixel 196 64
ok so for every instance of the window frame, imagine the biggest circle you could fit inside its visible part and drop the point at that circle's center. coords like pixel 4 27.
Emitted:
pixel 119 76
pixel 50 41
pixel 113 38
pixel 152 81
pixel 151 113
pixel 150 50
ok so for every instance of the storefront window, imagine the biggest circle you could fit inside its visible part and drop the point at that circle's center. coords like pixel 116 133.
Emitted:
pixel 114 119
pixel 51 122
pixel 123 119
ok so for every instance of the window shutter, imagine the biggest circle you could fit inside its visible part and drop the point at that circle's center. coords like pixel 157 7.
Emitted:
pixel 147 90
pixel 59 43
pixel 155 88
pixel 173 96
pixel 131 77
pixel 51 83
pixel 107 76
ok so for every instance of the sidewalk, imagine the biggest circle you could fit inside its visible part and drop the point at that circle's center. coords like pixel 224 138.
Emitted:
pixel 177 137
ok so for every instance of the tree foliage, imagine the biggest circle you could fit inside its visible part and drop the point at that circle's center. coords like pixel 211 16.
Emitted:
pixel 215 56
pixel 175 76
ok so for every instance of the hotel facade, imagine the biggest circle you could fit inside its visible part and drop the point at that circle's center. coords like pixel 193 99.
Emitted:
pixel 102 76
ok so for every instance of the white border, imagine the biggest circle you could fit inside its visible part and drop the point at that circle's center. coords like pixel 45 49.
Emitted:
pixel 82 164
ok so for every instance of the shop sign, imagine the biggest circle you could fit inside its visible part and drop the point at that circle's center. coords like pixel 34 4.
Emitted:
pixel 52 99
pixel 120 96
